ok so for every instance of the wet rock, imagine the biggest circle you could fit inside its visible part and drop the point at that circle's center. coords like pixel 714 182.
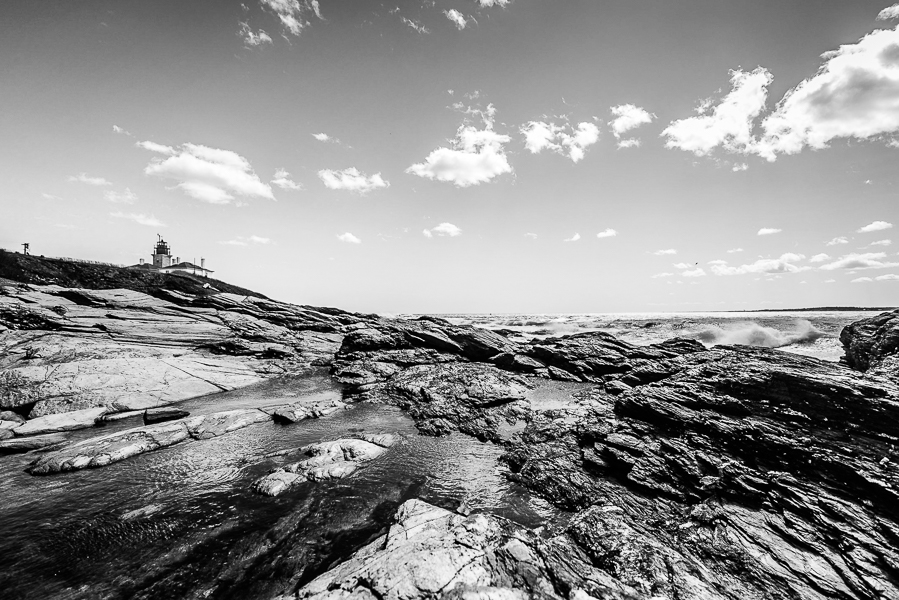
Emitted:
pixel 327 460
pixel 8 415
pixel 35 442
pixel 115 447
pixel 69 421
pixel 873 343
pixel 299 411
pixel 158 415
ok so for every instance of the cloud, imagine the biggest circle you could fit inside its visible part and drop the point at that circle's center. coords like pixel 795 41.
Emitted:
pixel 247 241
pixel 126 197
pixel 887 277
pixel 881 243
pixel 117 129
pixel 869 260
pixel 665 252
pixel 734 250
pixel 488 3
pixel 416 25
pixel 282 180
pixel 541 136
pixel 889 13
pixel 628 117
pixel 456 17
pixel 876 225
pixel 681 265
pixel 140 219
pixel 154 147
pixel 573 238
pixel 837 241
pixel 207 174
pixel 349 238
pixel 697 272
pixel 660 275
pixel 85 178
pixel 533 236
pixel 476 155
pixel 729 124
pixel 768 231
pixel 252 38
pixel 609 232
pixel 739 167
pixel 444 229
pixel 352 180
pixel 51 197
pixel 819 258
pixel 293 13
pixel 784 264
pixel 324 137
pixel 862 280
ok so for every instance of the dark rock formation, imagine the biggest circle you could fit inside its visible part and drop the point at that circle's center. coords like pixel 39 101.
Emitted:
pixel 166 413
pixel 873 343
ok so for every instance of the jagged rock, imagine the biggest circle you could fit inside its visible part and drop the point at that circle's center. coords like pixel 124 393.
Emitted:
pixel 69 421
pixel 158 415
pixel 873 343
pixel 114 447
pixel 299 411
pixel 327 460
pixel 8 415
pixel 35 442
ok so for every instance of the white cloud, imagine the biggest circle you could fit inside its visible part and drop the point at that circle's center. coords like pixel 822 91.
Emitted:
pixel 324 137
pixel 349 238
pixel 501 3
pixel 51 197
pixel 740 167
pixel 444 229
pixel 456 17
pixel 734 250
pixel 609 232
pixel 889 13
pixel 784 264
pixel 282 180
pixel 252 38
pixel 117 129
pixel 837 241
pixel 876 225
pixel 561 139
pixel 830 281
pixel 352 180
pixel 887 277
pixel 126 197
pixel 85 178
pixel 628 117
pixel 154 147
pixel 660 275
pixel 681 265
pixel 768 231
pixel 665 252
pixel 208 174
pixel 697 272
pixel 140 219
pixel 730 123
pixel 533 236
pixel 416 25
pixel 881 243
pixel 476 155
pixel 819 258
pixel 862 280
pixel 573 238
pixel 870 260
pixel 293 13
pixel 247 241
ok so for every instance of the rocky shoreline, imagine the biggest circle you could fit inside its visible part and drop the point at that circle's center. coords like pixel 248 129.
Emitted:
pixel 686 471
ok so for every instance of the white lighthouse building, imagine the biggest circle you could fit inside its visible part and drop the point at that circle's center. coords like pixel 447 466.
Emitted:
pixel 163 261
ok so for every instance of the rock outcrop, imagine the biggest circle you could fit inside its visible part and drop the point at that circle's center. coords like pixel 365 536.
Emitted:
pixel 873 344
pixel 326 460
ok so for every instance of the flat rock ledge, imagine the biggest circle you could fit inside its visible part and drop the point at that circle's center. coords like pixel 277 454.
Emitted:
pixel 327 460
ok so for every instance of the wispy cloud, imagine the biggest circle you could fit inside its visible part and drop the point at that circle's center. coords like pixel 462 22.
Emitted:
pixel 819 258
pixel 734 250
pixel 349 238
pixel 51 197
pixel 139 218
pixel 457 18
pixel 561 139
pixel 887 277
pixel 783 264
pixel 85 178
pixel 889 13
pixel 697 272
pixel 609 232
pixel 126 197
pixel 282 180
pixel 252 240
pixel 352 180
pixel 837 241
pixel 416 25
pixel 573 238
pixel 293 13
pixel 208 174
pixel 252 38
pixel 869 260
pixel 533 236
pixel 627 118
pixel 120 131
pixel 768 231
pixel 476 155
pixel 666 252
pixel 662 275
pixel 444 229
pixel 876 225
pixel 881 243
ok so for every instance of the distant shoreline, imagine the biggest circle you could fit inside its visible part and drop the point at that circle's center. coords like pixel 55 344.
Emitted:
pixel 818 309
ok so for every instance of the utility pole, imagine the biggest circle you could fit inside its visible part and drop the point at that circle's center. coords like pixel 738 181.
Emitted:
pixel 25 248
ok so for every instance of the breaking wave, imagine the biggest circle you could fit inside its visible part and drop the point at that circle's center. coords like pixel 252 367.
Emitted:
pixel 753 334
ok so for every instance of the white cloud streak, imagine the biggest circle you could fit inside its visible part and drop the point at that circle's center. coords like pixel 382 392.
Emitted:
pixel 253 240
pixel 349 238
pixel 875 226
pixel 443 230
pixel 126 197
pixel 783 264
pixel 456 17
pixel 252 38
pixel 282 180
pixel 573 238
pixel 85 178
pixel 768 231
pixel 293 13
pixel 352 180
pixel 607 233
pixel 868 260
pixel 139 218
pixel 561 139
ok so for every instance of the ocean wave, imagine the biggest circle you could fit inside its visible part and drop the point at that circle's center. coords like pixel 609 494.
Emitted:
pixel 753 334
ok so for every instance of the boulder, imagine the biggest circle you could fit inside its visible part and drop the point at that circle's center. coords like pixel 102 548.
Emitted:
pixel 35 442
pixel 873 343
pixel 69 421
pixel 158 415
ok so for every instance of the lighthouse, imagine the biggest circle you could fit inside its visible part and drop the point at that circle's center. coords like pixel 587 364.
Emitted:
pixel 162 255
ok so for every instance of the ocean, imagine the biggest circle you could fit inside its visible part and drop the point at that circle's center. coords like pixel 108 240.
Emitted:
pixel 812 333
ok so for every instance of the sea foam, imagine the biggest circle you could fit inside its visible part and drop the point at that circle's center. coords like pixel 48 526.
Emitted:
pixel 753 334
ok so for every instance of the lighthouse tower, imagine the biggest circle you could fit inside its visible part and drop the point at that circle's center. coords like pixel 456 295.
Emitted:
pixel 162 256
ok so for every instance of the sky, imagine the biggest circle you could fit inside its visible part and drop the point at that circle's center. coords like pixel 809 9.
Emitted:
pixel 506 156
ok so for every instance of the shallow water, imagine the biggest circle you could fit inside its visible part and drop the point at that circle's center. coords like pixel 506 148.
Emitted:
pixel 182 522
pixel 812 333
